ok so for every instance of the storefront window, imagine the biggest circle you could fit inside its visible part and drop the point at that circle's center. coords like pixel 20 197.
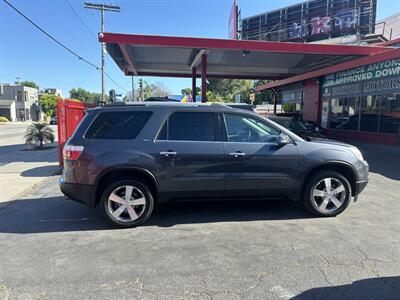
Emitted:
pixel 344 113
pixel 390 109
pixel 375 113
pixel 370 113
pixel 292 100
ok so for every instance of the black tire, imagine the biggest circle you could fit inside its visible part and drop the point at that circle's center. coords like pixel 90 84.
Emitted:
pixel 145 212
pixel 312 206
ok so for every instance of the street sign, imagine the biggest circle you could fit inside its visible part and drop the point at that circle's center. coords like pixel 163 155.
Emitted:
pixel 238 98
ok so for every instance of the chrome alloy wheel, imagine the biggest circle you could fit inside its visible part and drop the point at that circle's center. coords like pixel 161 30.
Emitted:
pixel 328 195
pixel 126 203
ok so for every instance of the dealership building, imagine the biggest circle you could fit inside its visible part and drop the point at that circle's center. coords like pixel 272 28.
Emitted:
pixel 358 99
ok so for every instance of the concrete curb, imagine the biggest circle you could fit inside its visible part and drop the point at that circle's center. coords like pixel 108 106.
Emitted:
pixel 29 189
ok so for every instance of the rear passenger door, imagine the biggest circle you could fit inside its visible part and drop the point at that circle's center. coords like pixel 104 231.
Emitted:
pixel 190 155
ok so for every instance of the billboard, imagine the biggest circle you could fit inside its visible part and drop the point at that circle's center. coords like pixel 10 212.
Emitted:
pixel 311 21
pixel 233 22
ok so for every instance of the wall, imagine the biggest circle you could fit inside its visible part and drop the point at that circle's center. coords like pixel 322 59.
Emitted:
pixel 390 25
pixel 28 104
pixel 7 109
pixel 311 102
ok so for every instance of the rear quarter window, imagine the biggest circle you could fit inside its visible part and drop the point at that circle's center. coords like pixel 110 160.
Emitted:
pixel 116 125
pixel 190 126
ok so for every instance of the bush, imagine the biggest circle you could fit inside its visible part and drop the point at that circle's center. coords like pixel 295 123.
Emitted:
pixel 3 119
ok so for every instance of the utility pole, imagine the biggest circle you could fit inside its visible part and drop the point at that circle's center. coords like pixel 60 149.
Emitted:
pixel 133 88
pixel 142 89
pixel 102 7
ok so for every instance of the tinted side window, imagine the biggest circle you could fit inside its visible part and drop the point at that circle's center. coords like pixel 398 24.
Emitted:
pixel 245 129
pixel 190 126
pixel 118 125
pixel 163 134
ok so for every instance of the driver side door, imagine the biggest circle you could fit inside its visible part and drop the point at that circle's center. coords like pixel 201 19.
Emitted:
pixel 255 164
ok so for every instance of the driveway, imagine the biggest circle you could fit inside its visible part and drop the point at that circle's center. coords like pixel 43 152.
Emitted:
pixel 52 248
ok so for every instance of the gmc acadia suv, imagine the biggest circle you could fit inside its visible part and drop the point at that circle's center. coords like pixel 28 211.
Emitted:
pixel 126 158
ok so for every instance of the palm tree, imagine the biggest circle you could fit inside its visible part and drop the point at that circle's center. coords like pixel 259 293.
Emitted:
pixel 39 133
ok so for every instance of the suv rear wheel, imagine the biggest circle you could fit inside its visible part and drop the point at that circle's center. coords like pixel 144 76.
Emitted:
pixel 127 203
pixel 327 194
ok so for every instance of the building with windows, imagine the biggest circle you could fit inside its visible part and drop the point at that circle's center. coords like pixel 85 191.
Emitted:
pixel 19 103
pixel 389 27
pixel 333 21
pixel 357 100
pixel 51 91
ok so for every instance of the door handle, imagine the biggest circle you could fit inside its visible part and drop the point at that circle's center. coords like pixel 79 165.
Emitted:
pixel 168 153
pixel 237 154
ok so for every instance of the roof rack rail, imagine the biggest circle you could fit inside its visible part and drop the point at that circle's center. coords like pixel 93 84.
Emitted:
pixel 115 104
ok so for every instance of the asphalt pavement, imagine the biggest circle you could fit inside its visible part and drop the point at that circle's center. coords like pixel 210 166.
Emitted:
pixel 52 248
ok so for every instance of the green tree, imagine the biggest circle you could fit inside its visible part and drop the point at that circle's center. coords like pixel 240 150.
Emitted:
pixel 29 84
pixel 226 89
pixel 81 94
pixel 265 96
pixel 39 133
pixel 156 89
pixel 96 97
pixel 188 91
pixel 48 104
pixel 86 96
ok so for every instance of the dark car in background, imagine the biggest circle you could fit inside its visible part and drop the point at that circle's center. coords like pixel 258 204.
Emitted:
pixel 53 121
pixel 296 124
pixel 127 158
pixel 370 122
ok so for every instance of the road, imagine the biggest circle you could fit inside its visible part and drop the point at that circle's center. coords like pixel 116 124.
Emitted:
pixel 20 168
pixel 52 248
pixel 13 133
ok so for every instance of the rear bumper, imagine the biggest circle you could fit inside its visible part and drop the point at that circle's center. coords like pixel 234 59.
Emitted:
pixel 82 193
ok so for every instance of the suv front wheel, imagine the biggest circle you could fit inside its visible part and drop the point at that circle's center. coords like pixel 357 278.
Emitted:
pixel 327 194
pixel 127 203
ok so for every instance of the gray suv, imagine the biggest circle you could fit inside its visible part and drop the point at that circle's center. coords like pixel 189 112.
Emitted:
pixel 127 158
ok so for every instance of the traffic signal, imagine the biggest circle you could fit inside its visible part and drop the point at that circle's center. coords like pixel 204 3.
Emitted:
pixel 112 96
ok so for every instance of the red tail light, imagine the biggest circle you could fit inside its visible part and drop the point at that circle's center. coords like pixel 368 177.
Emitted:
pixel 71 152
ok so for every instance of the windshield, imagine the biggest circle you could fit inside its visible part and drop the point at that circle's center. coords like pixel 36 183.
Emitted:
pixel 298 125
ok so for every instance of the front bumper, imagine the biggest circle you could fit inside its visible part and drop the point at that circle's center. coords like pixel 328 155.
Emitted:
pixel 82 193
pixel 360 186
pixel 362 172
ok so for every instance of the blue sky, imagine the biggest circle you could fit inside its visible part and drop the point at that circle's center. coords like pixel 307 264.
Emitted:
pixel 27 53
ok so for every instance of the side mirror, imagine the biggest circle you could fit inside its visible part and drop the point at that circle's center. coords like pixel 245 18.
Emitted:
pixel 284 139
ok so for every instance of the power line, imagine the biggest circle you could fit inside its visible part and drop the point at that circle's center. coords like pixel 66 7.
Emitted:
pixel 82 21
pixel 51 37
pixel 109 77
pixel 61 44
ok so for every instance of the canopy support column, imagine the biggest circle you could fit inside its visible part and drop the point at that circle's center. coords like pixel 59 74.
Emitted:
pixel 275 99
pixel 204 78
pixel 194 84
